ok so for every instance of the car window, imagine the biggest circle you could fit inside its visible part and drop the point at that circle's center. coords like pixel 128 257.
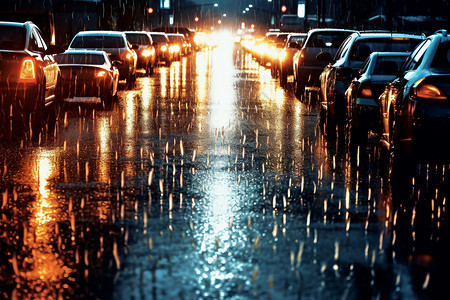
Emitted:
pixel 159 38
pixel 80 58
pixel 296 38
pixel 12 37
pixel 343 48
pixel 97 42
pixel 388 65
pixel 362 48
pixel 416 57
pixel 326 39
pixel 138 39
pixel 441 58
pixel 35 43
pixel 364 66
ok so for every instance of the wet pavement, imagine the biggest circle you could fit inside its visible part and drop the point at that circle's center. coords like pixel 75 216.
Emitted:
pixel 210 181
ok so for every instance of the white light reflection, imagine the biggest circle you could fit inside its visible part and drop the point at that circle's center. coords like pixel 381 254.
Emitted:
pixel 222 93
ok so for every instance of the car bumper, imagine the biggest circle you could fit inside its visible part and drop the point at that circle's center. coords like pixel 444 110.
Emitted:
pixel 22 96
pixel 93 88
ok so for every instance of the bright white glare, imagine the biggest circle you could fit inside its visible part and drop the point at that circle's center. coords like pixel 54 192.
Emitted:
pixel 215 4
pixel 224 15
pixel 250 5
pixel 247 9
pixel 301 10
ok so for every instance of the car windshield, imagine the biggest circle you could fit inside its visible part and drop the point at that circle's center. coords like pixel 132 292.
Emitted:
pixel 296 38
pixel 327 39
pixel 98 42
pixel 388 65
pixel 362 48
pixel 159 38
pixel 441 60
pixel 138 39
pixel 175 38
pixel 80 59
pixel 12 37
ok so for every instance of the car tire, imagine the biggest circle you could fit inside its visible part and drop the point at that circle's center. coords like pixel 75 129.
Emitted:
pixel 283 78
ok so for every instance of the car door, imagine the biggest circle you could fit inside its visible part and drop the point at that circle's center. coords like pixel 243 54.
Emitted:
pixel 50 67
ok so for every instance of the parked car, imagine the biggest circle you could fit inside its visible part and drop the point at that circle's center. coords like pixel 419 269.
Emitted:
pixel 415 107
pixel 275 49
pixel 29 77
pixel 293 43
pixel 317 49
pixel 146 55
pixel 88 76
pixel 161 43
pixel 114 43
pixel 337 75
pixel 362 95
pixel 188 34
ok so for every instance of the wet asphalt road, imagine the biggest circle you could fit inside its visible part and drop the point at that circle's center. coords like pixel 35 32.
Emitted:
pixel 209 181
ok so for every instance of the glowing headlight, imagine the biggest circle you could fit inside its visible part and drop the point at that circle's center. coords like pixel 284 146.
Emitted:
pixel 164 48
pixel 146 53
pixel 282 55
pixel 101 74
pixel 174 48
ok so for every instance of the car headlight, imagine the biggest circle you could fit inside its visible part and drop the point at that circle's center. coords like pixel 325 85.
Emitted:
pixel 174 48
pixel 101 74
pixel 164 48
pixel 146 53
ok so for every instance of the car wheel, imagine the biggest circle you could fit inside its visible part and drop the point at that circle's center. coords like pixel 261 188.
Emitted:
pixel 299 89
pixel 131 81
pixel 283 78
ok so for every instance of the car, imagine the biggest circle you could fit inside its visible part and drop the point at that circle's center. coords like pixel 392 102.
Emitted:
pixel 362 95
pixel 316 51
pixel 188 34
pixel 146 56
pixel 415 107
pixel 88 76
pixel 293 43
pixel 177 45
pixel 161 43
pixel 114 43
pixel 29 77
pixel 337 75
pixel 292 23
pixel 275 49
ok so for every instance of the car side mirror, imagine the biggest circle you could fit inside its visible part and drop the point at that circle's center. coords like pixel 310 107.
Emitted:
pixel 324 56
pixel 54 49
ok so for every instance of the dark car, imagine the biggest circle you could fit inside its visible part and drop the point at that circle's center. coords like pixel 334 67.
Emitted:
pixel 337 75
pixel 188 34
pixel 115 44
pixel 317 49
pixel 362 95
pixel 88 76
pixel 177 45
pixel 293 43
pixel 161 43
pixel 29 76
pixel 415 107
pixel 143 44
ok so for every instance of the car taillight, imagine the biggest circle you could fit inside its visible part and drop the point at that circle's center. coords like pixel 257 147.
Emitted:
pixel 343 74
pixel 428 91
pixel 101 74
pixel 365 91
pixel 27 72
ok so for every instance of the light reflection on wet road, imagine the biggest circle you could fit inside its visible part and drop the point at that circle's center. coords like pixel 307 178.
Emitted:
pixel 209 181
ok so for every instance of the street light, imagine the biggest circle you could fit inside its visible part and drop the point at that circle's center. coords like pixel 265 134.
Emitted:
pixel 216 4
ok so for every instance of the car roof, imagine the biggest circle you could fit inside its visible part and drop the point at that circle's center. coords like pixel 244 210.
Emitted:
pixel 83 51
pixel 375 34
pixel 101 32
pixel 331 30
pixel 137 32
pixel 18 24
pixel 390 53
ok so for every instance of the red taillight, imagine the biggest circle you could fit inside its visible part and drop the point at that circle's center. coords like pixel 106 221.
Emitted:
pixel 428 91
pixel 27 71
pixel 365 91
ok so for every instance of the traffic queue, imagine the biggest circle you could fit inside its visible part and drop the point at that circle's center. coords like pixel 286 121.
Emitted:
pixel 36 79
pixel 369 83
